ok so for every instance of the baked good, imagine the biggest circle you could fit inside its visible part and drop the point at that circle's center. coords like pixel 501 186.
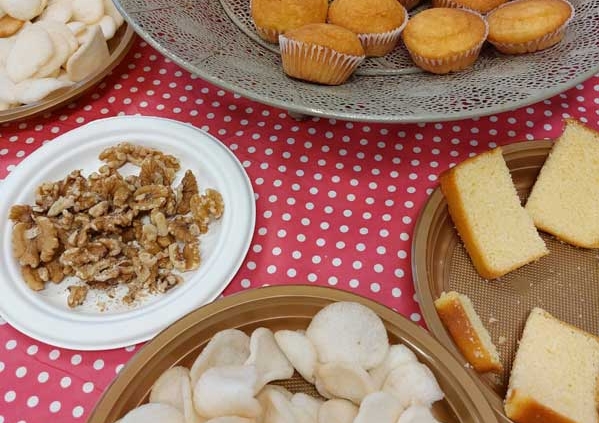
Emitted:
pixel 554 375
pixel 378 23
pixel 322 53
pixel 525 26
pixel 468 332
pixel 441 40
pixel 481 6
pixel 274 17
pixel 564 200
pixel 497 232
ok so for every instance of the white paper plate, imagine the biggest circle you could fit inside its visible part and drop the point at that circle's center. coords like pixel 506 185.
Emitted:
pixel 45 315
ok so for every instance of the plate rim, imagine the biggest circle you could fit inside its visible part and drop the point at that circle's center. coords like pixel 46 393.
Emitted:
pixel 420 274
pixel 46 335
pixel 300 112
pixel 414 332
pixel 26 111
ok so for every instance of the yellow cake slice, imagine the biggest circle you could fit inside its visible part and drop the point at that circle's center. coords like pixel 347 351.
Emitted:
pixel 468 332
pixel 497 232
pixel 554 374
pixel 565 198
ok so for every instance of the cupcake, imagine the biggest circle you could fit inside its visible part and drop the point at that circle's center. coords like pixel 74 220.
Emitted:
pixel 322 53
pixel 525 26
pixel 274 17
pixel 481 6
pixel 378 23
pixel 443 40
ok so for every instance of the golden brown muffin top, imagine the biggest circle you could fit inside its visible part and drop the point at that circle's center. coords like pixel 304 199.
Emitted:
pixel 482 6
pixel 526 20
pixel 367 16
pixel 440 32
pixel 282 15
pixel 334 37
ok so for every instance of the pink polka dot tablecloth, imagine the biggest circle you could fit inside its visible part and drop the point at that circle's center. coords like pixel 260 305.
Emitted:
pixel 336 203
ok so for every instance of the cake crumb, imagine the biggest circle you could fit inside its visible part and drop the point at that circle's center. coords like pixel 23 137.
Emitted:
pixel 502 340
pixel 493 320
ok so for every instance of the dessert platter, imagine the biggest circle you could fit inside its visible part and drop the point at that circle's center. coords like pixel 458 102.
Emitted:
pixel 558 276
pixel 219 43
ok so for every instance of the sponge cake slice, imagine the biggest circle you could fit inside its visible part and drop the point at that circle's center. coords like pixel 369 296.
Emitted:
pixel 497 232
pixel 565 198
pixel 554 374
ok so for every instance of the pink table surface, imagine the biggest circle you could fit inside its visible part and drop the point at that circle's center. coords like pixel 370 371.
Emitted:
pixel 336 203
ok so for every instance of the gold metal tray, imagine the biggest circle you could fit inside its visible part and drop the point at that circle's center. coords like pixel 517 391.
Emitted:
pixel 279 307
pixel 118 46
pixel 565 282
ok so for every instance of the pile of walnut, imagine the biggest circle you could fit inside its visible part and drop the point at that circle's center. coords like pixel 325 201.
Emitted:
pixel 109 229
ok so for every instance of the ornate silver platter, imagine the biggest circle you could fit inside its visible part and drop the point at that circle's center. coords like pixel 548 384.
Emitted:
pixel 215 40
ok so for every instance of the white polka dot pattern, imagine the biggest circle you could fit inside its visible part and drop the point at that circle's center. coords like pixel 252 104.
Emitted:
pixel 336 203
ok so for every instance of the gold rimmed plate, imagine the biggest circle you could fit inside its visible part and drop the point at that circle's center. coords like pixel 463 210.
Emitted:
pixel 289 307
pixel 564 282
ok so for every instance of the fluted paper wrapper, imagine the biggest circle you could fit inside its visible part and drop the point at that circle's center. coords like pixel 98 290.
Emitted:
pixel 316 63
pixel 537 44
pixel 377 45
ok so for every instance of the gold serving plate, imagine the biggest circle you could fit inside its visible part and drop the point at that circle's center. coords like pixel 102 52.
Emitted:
pixel 284 307
pixel 564 282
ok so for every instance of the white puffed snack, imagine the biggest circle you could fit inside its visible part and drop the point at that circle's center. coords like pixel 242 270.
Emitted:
pixel 6 45
pixel 189 411
pixel 62 29
pixel 24 10
pixel 268 358
pixel 276 406
pixel 110 10
pixel 62 48
pixel 379 407
pixel 398 354
pixel 167 388
pixel 108 27
pixel 229 347
pixel 337 411
pixel 90 57
pixel 58 11
pixel 77 28
pixel 417 414
pixel 350 332
pixel 413 383
pixel 153 413
pixel 307 403
pixel 227 391
pixel 88 11
pixel 32 49
pixel 32 90
pixel 299 351
pixel 7 89
pixel 345 380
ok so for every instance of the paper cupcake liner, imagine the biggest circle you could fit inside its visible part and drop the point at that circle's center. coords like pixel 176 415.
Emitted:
pixel 376 45
pixel 537 44
pixel 270 35
pixel 456 62
pixel 316 63
pixel 455 5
